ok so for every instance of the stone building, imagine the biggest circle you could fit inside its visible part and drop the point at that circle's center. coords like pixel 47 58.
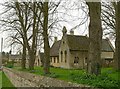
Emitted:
pixel 71 51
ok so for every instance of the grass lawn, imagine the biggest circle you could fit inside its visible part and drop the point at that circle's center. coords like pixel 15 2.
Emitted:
pixel 0 79
pixel 6 84
pixel 108 79
pixel 59 73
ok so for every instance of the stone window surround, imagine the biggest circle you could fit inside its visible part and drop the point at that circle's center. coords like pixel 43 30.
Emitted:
pixel 76 60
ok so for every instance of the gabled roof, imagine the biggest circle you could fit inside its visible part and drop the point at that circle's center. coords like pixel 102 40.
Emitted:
pixel 76 42
pixel 107 46
pixel 54 51
pixel 82 43
pixel 15 56
pixel 79 43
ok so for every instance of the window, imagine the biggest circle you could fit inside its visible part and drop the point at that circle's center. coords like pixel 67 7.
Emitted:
pixel 86 60
pixel 61 56
pixel 54 59
pixel 76 60
pixel 50 59
pixel 57 59
pixel 65 56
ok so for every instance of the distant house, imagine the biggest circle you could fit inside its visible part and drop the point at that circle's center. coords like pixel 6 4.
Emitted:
pixel 15 57
pixel 72 51
pixel 4 57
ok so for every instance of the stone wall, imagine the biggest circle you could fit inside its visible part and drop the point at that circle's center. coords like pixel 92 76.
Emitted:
pixel 24 79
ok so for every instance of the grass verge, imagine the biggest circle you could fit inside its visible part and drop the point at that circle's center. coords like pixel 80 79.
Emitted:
pixel 108 79
pixel 6 84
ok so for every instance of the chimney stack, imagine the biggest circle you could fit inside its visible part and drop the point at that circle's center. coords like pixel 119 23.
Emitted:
pixel 71 32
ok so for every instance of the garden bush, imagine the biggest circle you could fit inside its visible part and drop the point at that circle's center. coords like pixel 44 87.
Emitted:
pixel 101 81
pixel 10 64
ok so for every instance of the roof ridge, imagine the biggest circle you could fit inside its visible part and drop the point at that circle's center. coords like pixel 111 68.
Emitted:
pixel 76 35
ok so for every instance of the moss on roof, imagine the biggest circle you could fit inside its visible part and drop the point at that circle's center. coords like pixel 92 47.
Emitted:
pixel 77 42
pixel 80 43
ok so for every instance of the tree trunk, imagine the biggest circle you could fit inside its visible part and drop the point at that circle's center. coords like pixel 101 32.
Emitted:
pixel 32 50
pixel 23 19
pixel 23 62
pixel 117 42
pixel 46 41
pixel 31 59
pixel 95 38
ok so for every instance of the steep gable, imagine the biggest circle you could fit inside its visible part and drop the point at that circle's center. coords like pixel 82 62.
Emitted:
pixel 54 51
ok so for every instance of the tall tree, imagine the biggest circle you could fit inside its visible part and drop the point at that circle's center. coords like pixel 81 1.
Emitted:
pixel 95 38
pixel 110 18
pixel 12 26
pixel 32 26
pixel 117 42
pixel 46 41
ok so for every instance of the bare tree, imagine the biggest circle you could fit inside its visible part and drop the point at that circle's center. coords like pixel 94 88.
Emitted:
pixel 117 43
pixel 38 23
pixel 28 28
pixel 95 38
pixel 45 36
pixel 24 22
pixel 108 19
pixel 12 26
pixel 44 7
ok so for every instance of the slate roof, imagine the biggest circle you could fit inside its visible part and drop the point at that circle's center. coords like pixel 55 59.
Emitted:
pixel 13 57
pixel 76 42
pixel 54 51
pixel 107 46
pixel 79 43
pixel 82 43
pixel 17 56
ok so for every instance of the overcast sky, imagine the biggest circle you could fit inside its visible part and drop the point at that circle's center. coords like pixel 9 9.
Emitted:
pixel 82 30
